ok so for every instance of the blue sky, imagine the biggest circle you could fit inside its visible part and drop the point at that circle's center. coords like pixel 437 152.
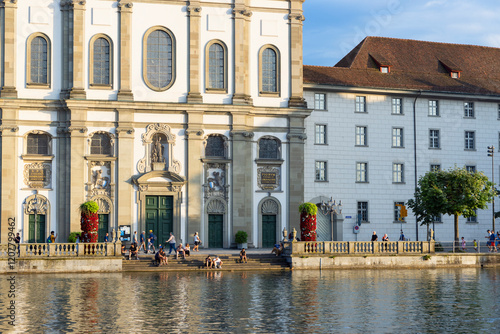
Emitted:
pixel 333 27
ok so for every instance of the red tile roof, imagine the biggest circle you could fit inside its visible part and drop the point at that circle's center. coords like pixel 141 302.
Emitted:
pixel 415 65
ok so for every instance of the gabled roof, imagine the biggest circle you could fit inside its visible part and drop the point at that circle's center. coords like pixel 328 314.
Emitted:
pixel 415 65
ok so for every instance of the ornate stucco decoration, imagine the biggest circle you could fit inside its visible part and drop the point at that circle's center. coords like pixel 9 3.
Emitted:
pixel 100 182
pixel 216 206
pixel 159 179
pixel 41 207
pixel 158 142
pixel 246 134
pixel 104 204
pixel 268 178
pixel 300 136
pixel 196 9
pixel 244 12
pixel 37 175
pixel 215 180
pixel 8 128
pixel 270 207
pixel 298 17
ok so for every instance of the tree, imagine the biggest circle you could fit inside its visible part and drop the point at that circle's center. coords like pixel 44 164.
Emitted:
pixel 456 192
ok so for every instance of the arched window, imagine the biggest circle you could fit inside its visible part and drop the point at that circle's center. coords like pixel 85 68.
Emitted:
pixel 100 144
pixel 269 70
pixel 101 53
pixel 38 64
pixel 269 148
pixel 38 143
pixel 216 65
pixel 159 68
pixel 215 147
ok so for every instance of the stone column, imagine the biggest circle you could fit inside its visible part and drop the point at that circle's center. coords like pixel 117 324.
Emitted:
pixel 9 45
pixel 296 59
pixel 125 161
pixel 194 135
pixel 9 164
pixel 77 49
pixel 242 185
pixel 195 73
pixel 125 52
pixel 78 165
pixel 242 82
pixel 296 138
pixel 62 164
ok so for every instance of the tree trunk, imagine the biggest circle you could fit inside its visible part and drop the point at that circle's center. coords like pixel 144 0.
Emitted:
pixel 456 232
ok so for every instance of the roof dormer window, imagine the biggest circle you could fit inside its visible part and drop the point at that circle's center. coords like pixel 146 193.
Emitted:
pixel 455 74
pixel 383 64
pixel 452 68
pixel 384 69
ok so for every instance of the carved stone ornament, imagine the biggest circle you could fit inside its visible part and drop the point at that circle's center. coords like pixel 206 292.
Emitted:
pixel 100 183
pixel 216 206
pixel 193 9
pixel 244 12
pixel 37 175
pixel 215 180
pixel 268 178
pixel 246 134
pixel 40 205
pixel 125 4
pixel 270 207
pixel 158 142
pixel 9 128
pixel 298 17
pixel 300 136
pixel 104 204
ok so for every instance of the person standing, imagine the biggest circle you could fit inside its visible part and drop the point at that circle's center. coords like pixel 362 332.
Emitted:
pixel 464 243
pixel 171 243
pixel 134 238
pixel 143 242
pixel 492 241
pixel 52 237
pixel 385 237
pixel 402 236
pixel 374 236
pixel 106 237
pixel 197 242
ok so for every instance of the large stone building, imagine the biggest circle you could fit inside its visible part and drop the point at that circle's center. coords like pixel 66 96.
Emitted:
pixel 388 112
pixel 175 116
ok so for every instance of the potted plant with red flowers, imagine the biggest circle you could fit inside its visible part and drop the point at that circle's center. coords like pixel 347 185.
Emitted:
pixel 89 221
pixel 308 213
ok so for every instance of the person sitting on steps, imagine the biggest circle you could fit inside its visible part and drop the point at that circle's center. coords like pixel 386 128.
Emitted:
pixel 208 262
pixel 133 251
pixel 278 249
pixel 243 255
pixel 180 250
pixel 187 250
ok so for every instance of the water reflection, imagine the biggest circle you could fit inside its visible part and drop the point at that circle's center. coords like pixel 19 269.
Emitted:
pixel 249 302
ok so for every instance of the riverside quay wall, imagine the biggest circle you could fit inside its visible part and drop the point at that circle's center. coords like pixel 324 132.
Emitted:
pixel 378 255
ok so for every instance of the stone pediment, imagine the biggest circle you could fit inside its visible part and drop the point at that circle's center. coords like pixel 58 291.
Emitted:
pixel 170 180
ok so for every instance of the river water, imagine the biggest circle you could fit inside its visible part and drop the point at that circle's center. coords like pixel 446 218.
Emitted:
pixel 343 301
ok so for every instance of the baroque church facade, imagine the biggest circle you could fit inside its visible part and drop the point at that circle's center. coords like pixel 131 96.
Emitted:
pixel 175 116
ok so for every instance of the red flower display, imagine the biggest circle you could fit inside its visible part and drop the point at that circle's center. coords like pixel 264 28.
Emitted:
pixel 307 227
pixel 89 226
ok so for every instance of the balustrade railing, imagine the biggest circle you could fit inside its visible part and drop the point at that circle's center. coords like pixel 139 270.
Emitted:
pixel 358 247
pixel 34 250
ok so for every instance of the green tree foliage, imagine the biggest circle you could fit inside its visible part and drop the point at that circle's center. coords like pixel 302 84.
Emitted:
pixel 455 192
pixel 309 208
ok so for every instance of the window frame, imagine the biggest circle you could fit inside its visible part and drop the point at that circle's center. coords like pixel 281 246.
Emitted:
pixel 471 168
pixel 469 111
pixel 472 219
pixel 145 58
pixel 323 101
pixel 320 166
pixel 360 104
pixel 397 213
pixel 224 146
pixel 111 144
pixel 92 84
pixel 209 89
pixel 360 136
pixel 29 83
pixel 398 174
pixel 363 211
pixel 361 172
pixel 396 137
pixel 434 139
pixel 433 110
pixel 435 167
pixel 278 153
pixel 397 106
pixel 38 133
pixel 263 93
pixel 470 140
pixel 324 133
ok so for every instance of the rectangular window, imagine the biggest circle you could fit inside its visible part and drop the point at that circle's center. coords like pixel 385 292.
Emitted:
pixel 320 134
pixel 470 168
pixel 320 170
pixel 433 108
pixel 435 168
pixel 437 219
pixel 397 106
pixel 469 109
pixel 361 136
pixel 397 211
pixel 472 219
pixel 469 140
pixel 397 137
pixel 433 138
pixel 361 172
pixel 319 101
pixel 397 173
pixel 360 104
pixel 363 212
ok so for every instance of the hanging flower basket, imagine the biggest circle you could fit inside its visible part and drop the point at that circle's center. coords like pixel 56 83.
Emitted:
pixel 308 213
pixel 89 221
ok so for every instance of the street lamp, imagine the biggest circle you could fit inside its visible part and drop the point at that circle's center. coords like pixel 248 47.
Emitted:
pixel 331 208
pixel 491 150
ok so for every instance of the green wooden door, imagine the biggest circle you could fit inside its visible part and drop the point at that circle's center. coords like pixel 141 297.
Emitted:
pixel 215 232
pixel 159 217
pixel 103 227
pixel 40 228
pixel 268 231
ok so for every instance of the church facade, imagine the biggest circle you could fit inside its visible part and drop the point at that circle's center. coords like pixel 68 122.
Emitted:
pixel 174 116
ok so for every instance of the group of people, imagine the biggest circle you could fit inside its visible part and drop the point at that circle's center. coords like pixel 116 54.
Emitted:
pixel 492 238
pixel 386 237
pixel 214 262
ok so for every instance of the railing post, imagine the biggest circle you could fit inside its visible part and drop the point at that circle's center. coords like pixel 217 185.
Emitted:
pixel 22 250
pixel 432 246
pixel 350 247
pixel 400 247
pixel 375 247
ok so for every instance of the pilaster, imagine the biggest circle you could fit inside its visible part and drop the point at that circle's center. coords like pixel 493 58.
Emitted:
pixel 242 15
pixel 296 57
pixel 9 8
pixel 62 182
pixel 9 164
pixel 242 185
pixel 296 138
pixel 125 53
pixel 194 134
pixel 125 142
pixel 194 10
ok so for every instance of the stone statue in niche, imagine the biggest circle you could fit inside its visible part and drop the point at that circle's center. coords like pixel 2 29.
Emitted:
pixel 100 182
pixel 157 152
pixel 216 182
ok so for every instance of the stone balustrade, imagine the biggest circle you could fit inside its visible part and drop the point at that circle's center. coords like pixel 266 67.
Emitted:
pixel 359 247
pixel 39 250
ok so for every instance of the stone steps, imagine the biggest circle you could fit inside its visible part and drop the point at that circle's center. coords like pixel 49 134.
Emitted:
pixel 197 262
